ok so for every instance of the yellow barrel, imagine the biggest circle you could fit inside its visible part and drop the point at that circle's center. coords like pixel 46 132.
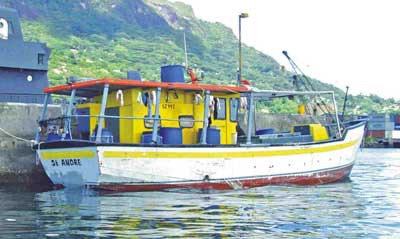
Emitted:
pixel 301 109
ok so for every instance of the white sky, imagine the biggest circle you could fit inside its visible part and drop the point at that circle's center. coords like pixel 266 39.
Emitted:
pixel 342 42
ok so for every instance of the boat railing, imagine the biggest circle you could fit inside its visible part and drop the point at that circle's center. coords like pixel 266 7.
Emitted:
pixel 131 117
pixel 69 127
pixel 73 128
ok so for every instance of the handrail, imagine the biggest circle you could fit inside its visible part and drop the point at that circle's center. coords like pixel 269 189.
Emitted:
pixel 117 117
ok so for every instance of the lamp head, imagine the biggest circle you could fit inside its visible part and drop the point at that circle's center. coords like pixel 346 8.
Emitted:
pixel 243 15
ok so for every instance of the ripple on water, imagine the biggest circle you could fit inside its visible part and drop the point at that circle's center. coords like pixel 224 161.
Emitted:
pixel 366 206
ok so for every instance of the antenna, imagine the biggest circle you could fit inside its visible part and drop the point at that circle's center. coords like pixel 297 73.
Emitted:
pixel 345 102
pixel 188 69
pixel 184 43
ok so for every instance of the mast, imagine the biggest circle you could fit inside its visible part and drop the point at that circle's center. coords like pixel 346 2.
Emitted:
pixel 203 139
pixel 156 119
pixel 184 44
pixel 67 120
pixel 102 113
pixel 42 115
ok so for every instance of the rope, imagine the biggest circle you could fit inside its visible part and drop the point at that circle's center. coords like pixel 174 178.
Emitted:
pixel 37 159
pixel 16 137
pixel 306 80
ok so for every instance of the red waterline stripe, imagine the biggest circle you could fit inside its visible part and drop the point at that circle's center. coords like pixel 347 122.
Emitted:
pixel 323 177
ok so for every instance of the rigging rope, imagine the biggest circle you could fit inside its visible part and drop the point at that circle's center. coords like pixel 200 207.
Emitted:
pixel 307 85
pixel 16 137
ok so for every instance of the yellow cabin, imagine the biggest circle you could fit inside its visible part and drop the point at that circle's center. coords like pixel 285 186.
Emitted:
pixel 130 113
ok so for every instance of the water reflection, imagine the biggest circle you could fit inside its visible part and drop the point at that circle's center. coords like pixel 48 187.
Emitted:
pixel 69 212
pixel 365 207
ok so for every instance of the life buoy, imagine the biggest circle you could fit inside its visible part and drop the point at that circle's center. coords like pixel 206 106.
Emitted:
pixel 192 76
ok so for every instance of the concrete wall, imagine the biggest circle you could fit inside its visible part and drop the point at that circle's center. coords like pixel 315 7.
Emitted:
pixel 17 159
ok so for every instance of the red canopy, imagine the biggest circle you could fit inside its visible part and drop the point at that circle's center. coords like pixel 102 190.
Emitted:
pixel 95 87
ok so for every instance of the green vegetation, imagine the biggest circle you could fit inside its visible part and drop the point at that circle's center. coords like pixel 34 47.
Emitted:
pixel 370 140
pixel 106 38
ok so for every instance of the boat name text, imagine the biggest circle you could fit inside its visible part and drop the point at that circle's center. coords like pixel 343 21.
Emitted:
pixel 66 162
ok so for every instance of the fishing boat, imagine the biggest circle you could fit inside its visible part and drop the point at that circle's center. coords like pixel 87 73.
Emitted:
pixel 135 135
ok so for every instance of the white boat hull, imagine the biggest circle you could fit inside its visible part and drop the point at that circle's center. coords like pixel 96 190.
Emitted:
pixel 139 168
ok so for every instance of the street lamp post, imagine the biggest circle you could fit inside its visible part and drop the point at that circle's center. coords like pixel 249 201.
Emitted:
pixel 239 76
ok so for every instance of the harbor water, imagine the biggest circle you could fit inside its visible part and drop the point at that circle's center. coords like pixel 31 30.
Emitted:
pixel 366 206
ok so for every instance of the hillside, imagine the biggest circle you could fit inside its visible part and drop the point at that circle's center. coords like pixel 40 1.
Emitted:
pixel 105 38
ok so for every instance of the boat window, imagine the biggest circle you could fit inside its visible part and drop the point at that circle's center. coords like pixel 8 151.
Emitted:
pixel 40 59
pixel 220 110
pixel 10 29
pixel 186 121
pixel 234 107
pixel 148 122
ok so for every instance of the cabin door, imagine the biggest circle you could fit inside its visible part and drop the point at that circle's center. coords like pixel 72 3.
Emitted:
pixel 83 123
pixel 219 116
pixel 112 124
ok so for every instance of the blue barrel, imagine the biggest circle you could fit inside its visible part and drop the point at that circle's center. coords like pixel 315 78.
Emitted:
pixel 106 136
pixel 173 73
pixel 171 135
pixel 133 75
pixel 53 137
pixel 265 131
pixel 147 138
pixel 213 136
